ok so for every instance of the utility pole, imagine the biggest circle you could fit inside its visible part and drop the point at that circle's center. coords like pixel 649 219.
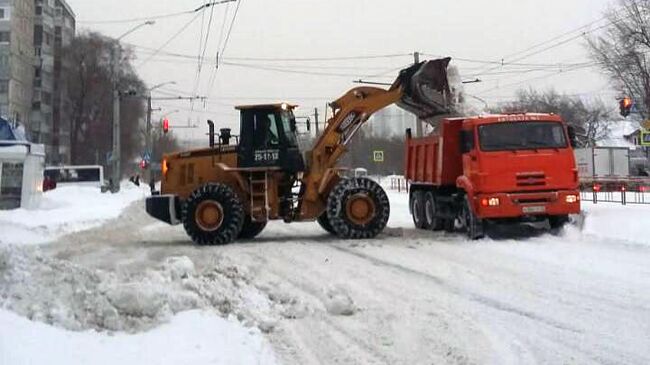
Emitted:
pixel 316 121
pixel 116 56
pixel 418 122
pixel 148 143
pixel 116 176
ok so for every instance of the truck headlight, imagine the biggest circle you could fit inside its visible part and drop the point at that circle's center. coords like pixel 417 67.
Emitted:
pixel 491 202
pixel 572 199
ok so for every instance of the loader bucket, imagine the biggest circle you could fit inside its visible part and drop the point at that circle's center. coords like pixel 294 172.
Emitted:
pixel 426 89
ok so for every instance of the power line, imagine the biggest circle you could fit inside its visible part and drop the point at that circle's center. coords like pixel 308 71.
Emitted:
pixel 292 71
pixel 222 51
pixel 156 17
pixel 202 52
pixel 134 20
pixel 313 59
pixel 171 39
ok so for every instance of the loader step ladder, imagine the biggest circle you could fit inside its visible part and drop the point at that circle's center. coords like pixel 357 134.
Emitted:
pixel 259 196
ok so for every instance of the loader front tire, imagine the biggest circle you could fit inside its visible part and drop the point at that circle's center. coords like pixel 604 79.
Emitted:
pixel 251 229
pixel 213 215
pixel 324 222
pixel 358 208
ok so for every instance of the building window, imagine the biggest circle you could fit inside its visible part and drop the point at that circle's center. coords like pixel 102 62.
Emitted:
pixel 5 37
pixel 5 13
pixel 2 14
pixel 39 10
pixel 4 86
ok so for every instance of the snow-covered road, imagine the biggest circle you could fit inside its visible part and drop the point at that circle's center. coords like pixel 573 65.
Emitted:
pixel 409 297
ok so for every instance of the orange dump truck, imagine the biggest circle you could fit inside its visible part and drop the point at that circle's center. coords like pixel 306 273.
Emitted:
pixel 497 169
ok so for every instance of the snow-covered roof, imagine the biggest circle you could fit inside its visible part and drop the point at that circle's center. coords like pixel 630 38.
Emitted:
pixel 617 132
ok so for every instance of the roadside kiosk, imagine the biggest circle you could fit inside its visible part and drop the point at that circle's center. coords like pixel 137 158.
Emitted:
pixel 21 169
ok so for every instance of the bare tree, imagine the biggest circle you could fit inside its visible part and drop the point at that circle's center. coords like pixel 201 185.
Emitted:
pixel 163 144
pixel 622 51
pixel 90 90
pixel 589 119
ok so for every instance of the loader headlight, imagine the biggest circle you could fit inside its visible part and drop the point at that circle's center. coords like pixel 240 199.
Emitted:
pixel 165 167
pixel 572 199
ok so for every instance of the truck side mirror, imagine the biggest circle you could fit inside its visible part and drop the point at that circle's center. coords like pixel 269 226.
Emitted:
pixel 294 126
pixel 572 136
pixel 466 142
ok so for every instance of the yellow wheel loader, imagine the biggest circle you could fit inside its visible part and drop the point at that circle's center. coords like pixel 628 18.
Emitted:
pixel 230 191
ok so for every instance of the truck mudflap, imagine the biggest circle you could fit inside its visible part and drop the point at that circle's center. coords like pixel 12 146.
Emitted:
pixel 164 208
pixel 505 205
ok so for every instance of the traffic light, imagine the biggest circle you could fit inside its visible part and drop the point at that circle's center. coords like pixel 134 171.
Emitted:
pixel 626 105
pixel 165 125
pixel 144 164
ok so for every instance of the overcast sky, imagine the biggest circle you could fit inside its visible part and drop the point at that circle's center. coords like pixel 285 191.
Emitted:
pixel 288 29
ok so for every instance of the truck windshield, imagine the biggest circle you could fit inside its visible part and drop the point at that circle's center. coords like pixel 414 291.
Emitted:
pixel 522 136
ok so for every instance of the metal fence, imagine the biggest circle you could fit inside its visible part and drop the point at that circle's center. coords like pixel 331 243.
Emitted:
pixel 604 190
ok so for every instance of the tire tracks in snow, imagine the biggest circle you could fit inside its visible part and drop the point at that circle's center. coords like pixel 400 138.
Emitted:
pixel 475 297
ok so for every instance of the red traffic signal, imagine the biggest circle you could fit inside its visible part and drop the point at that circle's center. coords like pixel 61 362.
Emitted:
pixel 144 164
pixel 626 105
pixel 165 125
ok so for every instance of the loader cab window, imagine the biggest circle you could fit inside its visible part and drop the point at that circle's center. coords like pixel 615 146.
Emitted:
pixel 265 128
pixel 268 138
pixel 288 124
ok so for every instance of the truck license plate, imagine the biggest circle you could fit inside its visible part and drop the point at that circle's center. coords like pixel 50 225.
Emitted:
pixel 536 209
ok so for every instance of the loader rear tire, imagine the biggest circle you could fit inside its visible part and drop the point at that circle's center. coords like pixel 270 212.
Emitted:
pixel 251 229
pixel 213 215
pixel 358 208
pixel 324 222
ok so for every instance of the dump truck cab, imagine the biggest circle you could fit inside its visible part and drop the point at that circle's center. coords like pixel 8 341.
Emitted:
pixel 519 164
pixel 268 137
pixel 493 168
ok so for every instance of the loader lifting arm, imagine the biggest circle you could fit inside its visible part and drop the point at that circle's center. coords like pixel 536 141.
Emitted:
pixel 422 89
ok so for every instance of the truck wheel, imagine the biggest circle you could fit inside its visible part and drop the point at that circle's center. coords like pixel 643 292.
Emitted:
pixel 417 209
pixel 358 208
pixel 474 227
pixel 325 223
pixel 251 229
pixel 430 209
pixel 213 215
pixel 558 221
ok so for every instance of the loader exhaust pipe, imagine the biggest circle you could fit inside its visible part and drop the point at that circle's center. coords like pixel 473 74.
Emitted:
pixel 426 88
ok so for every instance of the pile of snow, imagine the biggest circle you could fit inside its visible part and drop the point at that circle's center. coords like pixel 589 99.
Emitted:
pixel 190 338
pixel 67 209
pixel 67 295
pixel 618 222
pixel 339 302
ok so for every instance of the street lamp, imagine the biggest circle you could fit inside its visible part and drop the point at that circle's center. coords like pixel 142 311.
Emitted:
pixel 116 107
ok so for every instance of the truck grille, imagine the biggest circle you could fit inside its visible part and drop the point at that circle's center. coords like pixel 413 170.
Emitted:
pixel 529 179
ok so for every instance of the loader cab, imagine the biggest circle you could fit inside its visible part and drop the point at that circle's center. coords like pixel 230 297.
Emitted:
pixel 268 138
